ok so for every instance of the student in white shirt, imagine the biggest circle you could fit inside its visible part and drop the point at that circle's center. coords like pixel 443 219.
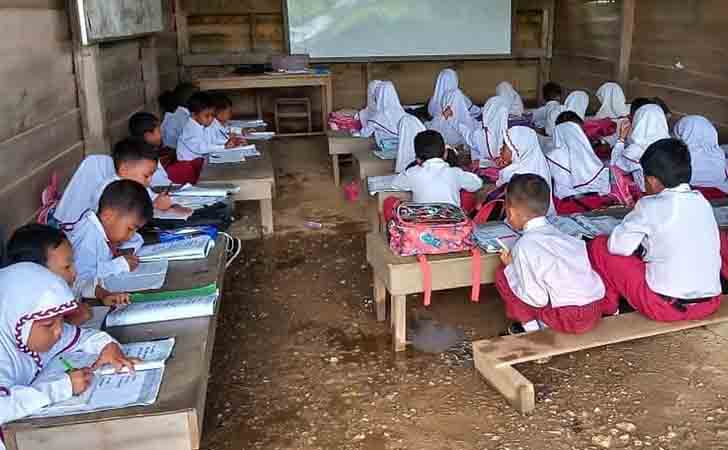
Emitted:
pixel 383 124
pixel 665 256
pixel 648 126
pixel 447 80
pixel 546 279
pixel 371 107
pixel 453 116
pixel 707 159
pixel 194 143
pixel 613 102
pixel 33 302
pixel 217 133
pixel 174 122
pixel 81 191
pixel 485 141
pixel 506 90
pixel 433 180
pixel 145 126
pixel 103 242
pixel 552 96
pixel 577 102
pixel 409 127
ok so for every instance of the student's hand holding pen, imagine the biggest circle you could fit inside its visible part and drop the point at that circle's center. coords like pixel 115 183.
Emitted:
pixel 163 201
pixel 80 380
pixel 231 143
pixel 115 357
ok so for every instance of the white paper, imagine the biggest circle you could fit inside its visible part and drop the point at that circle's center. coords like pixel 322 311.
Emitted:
pixel 198 191
pixel 149 275
pixel 172 214
pixel 163 310
pixel 254 123
pixel 260 135
pixel 197 247
pixel 196 203
pixel 98 315
pixel 495 237
pixel 381 184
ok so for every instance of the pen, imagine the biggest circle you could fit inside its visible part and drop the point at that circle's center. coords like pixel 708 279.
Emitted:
pixel 67 365
pixel 224 134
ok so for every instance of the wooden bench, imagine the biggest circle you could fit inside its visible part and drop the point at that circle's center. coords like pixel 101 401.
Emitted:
pixel 495 357
pixel 342 143
pixel 255 177
pixel 176 419
pixel 401 276
pixel 366 164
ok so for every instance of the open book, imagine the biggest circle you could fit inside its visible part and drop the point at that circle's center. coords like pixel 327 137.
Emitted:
pixel 381 184
pixel 495 237
pixel 220 190
pixel 172 214
pixel 260 135
pixel 149 275
pixel 163 310
pixel 234 155
pixel 197 247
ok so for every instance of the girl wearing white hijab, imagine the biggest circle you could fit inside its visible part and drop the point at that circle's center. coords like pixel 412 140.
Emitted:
pixel 454 113
pixel 578 102
pixel 574 166
pixel 383 124
pixel 707 159
pixel 409 127
pixel 371 108
pixel 83 187
pixel 515 103
pixel 614 104
pixel 447 81
pixel 32 333
pixel 486 141
pixel 649 126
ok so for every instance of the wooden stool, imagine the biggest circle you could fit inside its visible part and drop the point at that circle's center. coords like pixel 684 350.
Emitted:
pixel 293 108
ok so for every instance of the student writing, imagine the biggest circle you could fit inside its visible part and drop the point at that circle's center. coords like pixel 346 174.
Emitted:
pixel 145 126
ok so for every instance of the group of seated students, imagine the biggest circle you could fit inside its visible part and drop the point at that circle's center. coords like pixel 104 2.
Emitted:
pixel 665 258
pixel 91 234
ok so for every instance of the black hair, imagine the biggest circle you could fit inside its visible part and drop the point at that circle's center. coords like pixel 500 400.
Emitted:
pixel 668 160
pixel 569 116
pixel 429 144
pixel 169 101
pixel 221 101
pixel 661 103
pixel 199 102
pixel 131 150
pixel 127 197
pixel 31 243
pixel 529 191
pixel 638 103
pixel 552 91
pixel 142 123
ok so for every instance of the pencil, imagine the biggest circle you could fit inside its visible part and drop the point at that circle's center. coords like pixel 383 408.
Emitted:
pixel 67 365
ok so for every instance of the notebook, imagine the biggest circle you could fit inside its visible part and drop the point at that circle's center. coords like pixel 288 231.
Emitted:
pixel 195 203
pixel 381 184
pixel 597 225
pixel 98 316
pixel 149 275
pixel 495 237
pixel 172 214
pixel 197 247
pixel 260 135
pixel 221 190
pixel 173 295
pixel 163 310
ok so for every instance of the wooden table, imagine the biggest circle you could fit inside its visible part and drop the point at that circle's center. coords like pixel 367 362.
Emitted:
pixel 255 177
pixel 272 81
pixel 343 143
pixel 175 420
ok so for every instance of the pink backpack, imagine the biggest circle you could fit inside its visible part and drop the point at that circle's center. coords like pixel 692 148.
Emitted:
pixel 420 229
pixel 341 121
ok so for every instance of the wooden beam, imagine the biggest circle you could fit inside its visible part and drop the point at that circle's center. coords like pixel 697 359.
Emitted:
pixel 150 74
pixel 625 38
pixel 91 99
pixel 183 35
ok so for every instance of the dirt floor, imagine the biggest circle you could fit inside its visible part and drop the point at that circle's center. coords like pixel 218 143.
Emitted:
pixel 300 361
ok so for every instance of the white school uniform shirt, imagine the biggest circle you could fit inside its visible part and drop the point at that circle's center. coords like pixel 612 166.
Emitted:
pixel 578 102
pixel 550 267
pixel 160 177
pixel 613 102
pixel 384 123
pixel 194 143
pixel 540 115
pixel 450 128
pixel 648 127
pixel 436 182
pixel 103 185
pixel 447 80
pixel 172 126
pixel 485 141
pixel 371 108
pixel 574 166
pixel 24 388
pixel 409 127
pixel 707 159
pixel 216 133
pixel 552 113
pixel 679 233
pixel 82 189
pixel 506 90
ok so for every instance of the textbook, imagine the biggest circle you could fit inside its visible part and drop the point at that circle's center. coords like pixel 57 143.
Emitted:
pixel 163 310
pixel 194 203
pixel 218 190
pixel 381 184
pixel 201 291
pixel 495 237
pixel 149 275
pixel 98 316
pixel 172 214
pixel 260 135
pixel 197 247
pixel 111 390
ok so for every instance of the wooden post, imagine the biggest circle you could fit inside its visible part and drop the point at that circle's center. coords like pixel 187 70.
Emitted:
pixel 90 93
pixel 183 35
pixel 150 74
pixel 625 38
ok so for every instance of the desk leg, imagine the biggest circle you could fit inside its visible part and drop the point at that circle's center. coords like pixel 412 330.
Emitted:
pixel 337 170
pixel 380 298
pixel 266 216
pixel 327 104
pixel 399 322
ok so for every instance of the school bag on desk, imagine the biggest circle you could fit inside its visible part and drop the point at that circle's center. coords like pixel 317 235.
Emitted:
pixel 421 229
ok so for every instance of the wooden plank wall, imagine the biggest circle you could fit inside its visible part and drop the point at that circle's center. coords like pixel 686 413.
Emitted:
pixel 40 120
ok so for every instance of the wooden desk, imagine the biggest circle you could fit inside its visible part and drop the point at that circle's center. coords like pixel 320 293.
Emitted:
pixel 255 177
pixel 175 420
pixel 271 81
pixel 343 143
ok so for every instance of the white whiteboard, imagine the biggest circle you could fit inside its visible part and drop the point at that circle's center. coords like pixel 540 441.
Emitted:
pixel 396 28
pixel 102 20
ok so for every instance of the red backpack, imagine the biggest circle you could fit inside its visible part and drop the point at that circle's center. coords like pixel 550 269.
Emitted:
pixel 420 229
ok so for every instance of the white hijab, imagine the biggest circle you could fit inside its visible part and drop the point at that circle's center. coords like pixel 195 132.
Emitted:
pixel 506 90
pixel 578 102
pixel 81 190
pixel 495 123
pixel 447 81
pixel 574 154
pixel 614 103
pixel 389 110
pixel 409 127
pixel 707 159
pixel 649 126
pixel 28 293
pixel 371 107
pixel 450 128
pixel 527 155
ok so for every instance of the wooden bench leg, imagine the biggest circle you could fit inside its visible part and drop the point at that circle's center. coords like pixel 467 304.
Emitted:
pixel 517 390
pixel 380 298
pixel 266 216
pixel 337 169
pixel 399 322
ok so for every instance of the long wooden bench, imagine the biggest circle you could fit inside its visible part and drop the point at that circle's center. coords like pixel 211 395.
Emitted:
pixel 176 419
pixel 402 276
pixel 341 144
pixel 494 358
pixel 366 164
